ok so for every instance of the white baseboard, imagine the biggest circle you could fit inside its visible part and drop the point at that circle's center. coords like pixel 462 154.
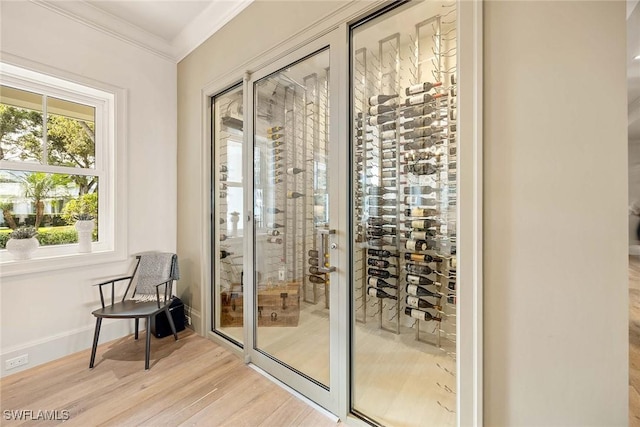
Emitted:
pixel 634 250
pixel 196 319
pixel 63 344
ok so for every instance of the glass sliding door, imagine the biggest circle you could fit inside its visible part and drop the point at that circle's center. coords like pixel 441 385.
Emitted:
pixel 227 207
pixel 404 145
pixel 296 239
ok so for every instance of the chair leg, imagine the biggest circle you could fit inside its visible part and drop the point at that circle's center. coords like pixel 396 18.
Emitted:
pixel 96 334
pixel 147 352
pixel 173 326
pixel 137 324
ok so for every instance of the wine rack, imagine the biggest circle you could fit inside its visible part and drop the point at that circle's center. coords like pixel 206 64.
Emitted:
pixel 404 189
pixel 291 181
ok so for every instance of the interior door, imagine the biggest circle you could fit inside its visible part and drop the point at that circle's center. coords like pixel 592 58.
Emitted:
pixel 299 239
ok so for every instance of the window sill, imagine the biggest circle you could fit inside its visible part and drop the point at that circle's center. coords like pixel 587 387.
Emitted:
pixel 59 259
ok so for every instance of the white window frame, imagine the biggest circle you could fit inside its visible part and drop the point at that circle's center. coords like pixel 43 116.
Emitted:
pixel 109 104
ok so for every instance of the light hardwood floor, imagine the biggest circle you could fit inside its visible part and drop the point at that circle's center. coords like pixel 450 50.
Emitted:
pixel 192 381
pixel 634 341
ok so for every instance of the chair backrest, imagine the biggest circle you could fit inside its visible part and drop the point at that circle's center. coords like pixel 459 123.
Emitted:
pixel 152 269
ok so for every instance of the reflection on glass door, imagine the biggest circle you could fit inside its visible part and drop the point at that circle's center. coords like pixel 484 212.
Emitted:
pixel 227 226
pixel 403 65
pixel 291 202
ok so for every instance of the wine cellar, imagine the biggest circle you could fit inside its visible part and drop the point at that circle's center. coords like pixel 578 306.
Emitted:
pixel 402 192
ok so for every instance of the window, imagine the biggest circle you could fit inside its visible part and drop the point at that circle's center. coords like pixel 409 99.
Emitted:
pixel 57 159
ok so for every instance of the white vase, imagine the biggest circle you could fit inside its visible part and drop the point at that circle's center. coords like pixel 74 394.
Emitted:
pixel 85 231
pixel 22 248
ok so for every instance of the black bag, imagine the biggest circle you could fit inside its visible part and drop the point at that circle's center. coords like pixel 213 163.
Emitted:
pixel 160 324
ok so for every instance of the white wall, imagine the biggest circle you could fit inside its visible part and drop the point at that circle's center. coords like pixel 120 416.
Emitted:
pixel 48 315
pixel 555 230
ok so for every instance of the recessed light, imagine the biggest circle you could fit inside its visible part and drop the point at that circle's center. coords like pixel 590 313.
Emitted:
pixel 637 58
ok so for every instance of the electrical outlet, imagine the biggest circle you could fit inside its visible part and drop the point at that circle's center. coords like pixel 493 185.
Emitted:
pixel 16 361
pixel 188 318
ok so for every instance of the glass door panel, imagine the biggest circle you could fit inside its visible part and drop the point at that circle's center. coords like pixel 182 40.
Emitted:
pixel 227 226
pixel 291 217
pixel 403 67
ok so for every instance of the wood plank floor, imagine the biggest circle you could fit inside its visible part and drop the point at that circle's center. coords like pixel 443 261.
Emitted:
pixel 634 341
pixel 192 381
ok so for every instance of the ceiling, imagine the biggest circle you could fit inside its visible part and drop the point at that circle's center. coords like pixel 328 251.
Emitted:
pixel 170 28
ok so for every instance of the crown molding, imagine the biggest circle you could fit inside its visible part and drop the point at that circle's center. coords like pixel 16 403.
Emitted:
pixel 210 20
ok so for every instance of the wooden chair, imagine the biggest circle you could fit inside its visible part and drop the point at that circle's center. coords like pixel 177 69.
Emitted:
pixel 152 271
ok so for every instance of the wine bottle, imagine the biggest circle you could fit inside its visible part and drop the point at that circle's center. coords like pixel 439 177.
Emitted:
pixel 223 237
pixel 222 220
pixel 380 263
pixel 382 119
pixel 388 126
pixel 275 159
pixel 421 87
pixel 420 235
pixel 386 164
pixel 274 210
pixel 424 270
pixel 422 132
pixel 415 302
pixel 317 279
pixel 379 231
pixel 379 191
pixel 378 211
pixel 451 286
pixel 389 155
pixel 425 189
pixel 274 129
pixel 416 245
pixel 388 134
pixel 423 98
pixel 274 225
pixel 420 200
pixel 420 224
pixel 380 201
pixel 294 171
pixel 277 151
pixel 379 293
pixel 419 122
pixel 417 291
pixel 381 273
pixel 224 254
pixel 222 186
pixel 419 144
pixel 222 194
pixel 420 110
pixel 277 240
pixel 374 281
pixel 381 109
pixel 294 195
pixel 451 299
pixel 421 258
pixel 419 314
pixel 381 99
pixel 273 232
pixel 361 132
pixel 420 212
pixel 278 143
pixel 380 252
pixel 314 261
pixel 223 177
pixel 275 136
pixel 413 279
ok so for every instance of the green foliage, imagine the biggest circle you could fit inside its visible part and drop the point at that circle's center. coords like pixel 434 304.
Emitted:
pixel 48 236
pixel 23 233
pixel 20 133
pixel 86 206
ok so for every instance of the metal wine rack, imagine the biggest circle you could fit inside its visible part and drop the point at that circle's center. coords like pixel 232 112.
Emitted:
pixel 405 185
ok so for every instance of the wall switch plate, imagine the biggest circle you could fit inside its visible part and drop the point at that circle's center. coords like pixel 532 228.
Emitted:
pixel 16 361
